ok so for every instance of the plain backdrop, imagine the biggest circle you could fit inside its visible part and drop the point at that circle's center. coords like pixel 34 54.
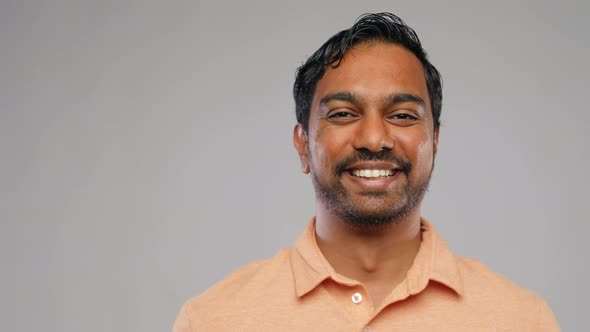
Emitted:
pixel 146 148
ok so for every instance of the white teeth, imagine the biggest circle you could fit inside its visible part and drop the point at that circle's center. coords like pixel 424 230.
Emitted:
pixel 372 173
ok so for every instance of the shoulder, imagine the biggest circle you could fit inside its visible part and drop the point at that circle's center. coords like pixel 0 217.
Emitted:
pixel 242 289
pixel 479 279
pixel 503 298
pixel 252 275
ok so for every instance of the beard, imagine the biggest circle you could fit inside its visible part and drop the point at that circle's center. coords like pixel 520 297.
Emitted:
pixel 377 208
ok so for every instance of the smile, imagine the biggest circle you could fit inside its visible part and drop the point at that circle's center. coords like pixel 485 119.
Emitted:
pixel 372 173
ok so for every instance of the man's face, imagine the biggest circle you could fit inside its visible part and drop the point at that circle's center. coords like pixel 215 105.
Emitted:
pixel 370 145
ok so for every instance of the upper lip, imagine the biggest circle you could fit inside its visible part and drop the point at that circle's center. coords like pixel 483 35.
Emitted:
pixel 373 165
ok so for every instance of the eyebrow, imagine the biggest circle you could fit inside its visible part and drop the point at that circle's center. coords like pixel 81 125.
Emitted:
pixel 391 99
pixel 341 96
pixel 396 98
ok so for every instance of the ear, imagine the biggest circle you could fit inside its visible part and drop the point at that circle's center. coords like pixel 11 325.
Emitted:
pixel 300 143
pixel 435 147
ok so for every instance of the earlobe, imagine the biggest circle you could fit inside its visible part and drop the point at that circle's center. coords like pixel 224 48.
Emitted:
pixel 300 143
pixel 435 146
pixel 305 168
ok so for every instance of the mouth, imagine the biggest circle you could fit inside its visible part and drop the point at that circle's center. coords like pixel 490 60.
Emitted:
pixel 378 178
pixel 373 173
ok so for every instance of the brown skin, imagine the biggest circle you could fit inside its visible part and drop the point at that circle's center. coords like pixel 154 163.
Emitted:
pixel 378 257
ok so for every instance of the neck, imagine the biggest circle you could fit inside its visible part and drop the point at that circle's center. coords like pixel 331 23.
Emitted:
pixel 369 254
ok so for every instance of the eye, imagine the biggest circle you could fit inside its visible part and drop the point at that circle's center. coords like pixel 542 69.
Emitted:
pixel 339 115
pixel 342 116
pixel 403 118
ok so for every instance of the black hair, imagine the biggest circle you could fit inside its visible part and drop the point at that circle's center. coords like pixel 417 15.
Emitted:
pixel 383 27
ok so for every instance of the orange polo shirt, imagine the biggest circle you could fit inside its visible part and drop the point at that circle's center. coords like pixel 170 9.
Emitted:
pixel 298 290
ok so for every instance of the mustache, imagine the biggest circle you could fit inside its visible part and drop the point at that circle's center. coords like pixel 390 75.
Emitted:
pixel 367 155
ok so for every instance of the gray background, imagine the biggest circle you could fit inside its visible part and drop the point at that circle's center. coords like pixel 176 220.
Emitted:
pixel 146 148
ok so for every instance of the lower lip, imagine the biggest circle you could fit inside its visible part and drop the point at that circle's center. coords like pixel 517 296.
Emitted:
pixel 373 184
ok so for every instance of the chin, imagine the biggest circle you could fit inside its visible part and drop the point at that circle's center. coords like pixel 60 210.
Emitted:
pixel 377 210
pixel 375 215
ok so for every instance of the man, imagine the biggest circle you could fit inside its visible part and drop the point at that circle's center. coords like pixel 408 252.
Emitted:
pixel 368 104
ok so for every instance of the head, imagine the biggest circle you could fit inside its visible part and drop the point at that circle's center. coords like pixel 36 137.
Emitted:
pixel 368 106
pixel 381 27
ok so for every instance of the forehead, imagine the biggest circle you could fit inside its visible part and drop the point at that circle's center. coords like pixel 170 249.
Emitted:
pixel 374 70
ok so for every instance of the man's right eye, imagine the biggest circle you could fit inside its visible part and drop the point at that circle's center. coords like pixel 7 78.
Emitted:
pixel 342 116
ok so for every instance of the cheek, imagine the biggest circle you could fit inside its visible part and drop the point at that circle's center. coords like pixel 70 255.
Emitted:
pixel 327 148
pixel 425 153
pixel 418 147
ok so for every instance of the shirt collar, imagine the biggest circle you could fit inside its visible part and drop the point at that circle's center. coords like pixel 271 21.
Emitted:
pixel 309 265
pixel 434 261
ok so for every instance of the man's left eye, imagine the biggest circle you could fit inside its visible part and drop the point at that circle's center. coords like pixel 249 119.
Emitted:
pixel 404 116
pixel 403 119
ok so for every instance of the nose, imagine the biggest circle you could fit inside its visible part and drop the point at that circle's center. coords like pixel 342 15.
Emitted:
pixel 373 134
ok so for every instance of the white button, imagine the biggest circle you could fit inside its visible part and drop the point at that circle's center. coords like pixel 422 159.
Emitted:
pixel 357 298
pixel 367 329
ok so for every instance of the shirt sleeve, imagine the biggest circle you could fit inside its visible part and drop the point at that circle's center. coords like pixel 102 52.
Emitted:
pixel 182 323
pixel 547 320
